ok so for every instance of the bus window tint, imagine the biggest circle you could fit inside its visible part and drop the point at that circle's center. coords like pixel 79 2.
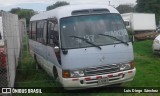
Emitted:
pixel 30 31
pixel 53 37
pixel 45 32
pixel 89 26
pixel 41 31
pixel 33 31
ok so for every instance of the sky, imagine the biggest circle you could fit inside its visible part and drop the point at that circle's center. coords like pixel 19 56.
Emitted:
pixel 40 5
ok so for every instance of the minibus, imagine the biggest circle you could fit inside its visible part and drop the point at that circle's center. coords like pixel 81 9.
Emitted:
pixel 82 46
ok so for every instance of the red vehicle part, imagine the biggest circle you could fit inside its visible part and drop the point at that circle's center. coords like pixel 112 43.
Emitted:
pixel 2 58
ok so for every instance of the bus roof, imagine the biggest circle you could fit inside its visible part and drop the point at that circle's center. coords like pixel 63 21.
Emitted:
pixel 66 11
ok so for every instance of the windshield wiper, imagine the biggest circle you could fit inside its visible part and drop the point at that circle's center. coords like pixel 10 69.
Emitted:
pixel 86 41
pixel 114 38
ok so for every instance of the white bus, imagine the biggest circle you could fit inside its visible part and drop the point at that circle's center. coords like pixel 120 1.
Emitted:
pixel 82 46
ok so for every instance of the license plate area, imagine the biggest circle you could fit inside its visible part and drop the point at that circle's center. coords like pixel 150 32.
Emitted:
pixel 102 81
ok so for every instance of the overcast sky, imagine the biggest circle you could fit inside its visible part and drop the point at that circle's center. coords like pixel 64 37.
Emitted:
pixel 40 5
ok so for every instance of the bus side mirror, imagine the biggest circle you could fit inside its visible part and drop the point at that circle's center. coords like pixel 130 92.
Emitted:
pixel 56 49
pixel 131 38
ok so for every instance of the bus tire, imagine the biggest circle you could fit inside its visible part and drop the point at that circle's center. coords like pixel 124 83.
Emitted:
pixel 37 64
pixel 55 74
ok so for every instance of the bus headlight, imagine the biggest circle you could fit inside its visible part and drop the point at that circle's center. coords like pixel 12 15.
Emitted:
pixel 126 66
pixel 77 73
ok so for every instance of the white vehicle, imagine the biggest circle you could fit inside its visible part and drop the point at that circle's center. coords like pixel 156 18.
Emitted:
pixel 156 45
pixel 83 46
pixel 140 22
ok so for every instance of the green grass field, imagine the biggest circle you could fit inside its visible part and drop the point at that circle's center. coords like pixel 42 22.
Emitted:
pixel 147 74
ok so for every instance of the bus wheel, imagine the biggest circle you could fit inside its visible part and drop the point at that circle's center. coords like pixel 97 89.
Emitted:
pixel 55 74
pixel 36 62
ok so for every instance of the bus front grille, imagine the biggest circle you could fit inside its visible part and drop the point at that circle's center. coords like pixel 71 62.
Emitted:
pixel 100 70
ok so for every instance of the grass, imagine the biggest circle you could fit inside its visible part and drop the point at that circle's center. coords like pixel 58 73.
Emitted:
pixel 147 65
pixel 147 74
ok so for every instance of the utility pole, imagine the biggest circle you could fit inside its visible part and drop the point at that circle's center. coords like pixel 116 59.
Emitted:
pixel 109 4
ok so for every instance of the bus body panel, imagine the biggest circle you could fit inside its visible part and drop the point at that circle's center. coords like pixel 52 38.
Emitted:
pixel 45 55
pixel 66 11
pixel 87 57
pixel 72 83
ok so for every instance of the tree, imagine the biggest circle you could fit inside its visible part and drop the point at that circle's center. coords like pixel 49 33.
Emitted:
pixel 149 6
pixel 125 8
pixel 23 13
pixel 15 10
pixel 57 4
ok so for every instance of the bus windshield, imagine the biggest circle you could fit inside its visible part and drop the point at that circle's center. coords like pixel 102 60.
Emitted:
pixel 96 28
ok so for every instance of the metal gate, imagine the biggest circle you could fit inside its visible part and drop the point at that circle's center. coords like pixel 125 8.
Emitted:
pixel 9 48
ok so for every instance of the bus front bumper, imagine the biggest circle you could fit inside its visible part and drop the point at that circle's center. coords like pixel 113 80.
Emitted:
pixel 98 80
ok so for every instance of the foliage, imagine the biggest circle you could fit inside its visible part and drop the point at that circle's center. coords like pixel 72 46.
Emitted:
pixel 23 13
pixel 149 6
pixel 57 4
pixel 125 8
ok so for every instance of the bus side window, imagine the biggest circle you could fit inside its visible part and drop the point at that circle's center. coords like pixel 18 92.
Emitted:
pixel 53 36
pixel 45 32
pixel 33 33
pixel 41 31
pixel 30 31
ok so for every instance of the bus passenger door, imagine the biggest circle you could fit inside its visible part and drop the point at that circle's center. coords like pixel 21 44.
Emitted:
pixel 53 43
